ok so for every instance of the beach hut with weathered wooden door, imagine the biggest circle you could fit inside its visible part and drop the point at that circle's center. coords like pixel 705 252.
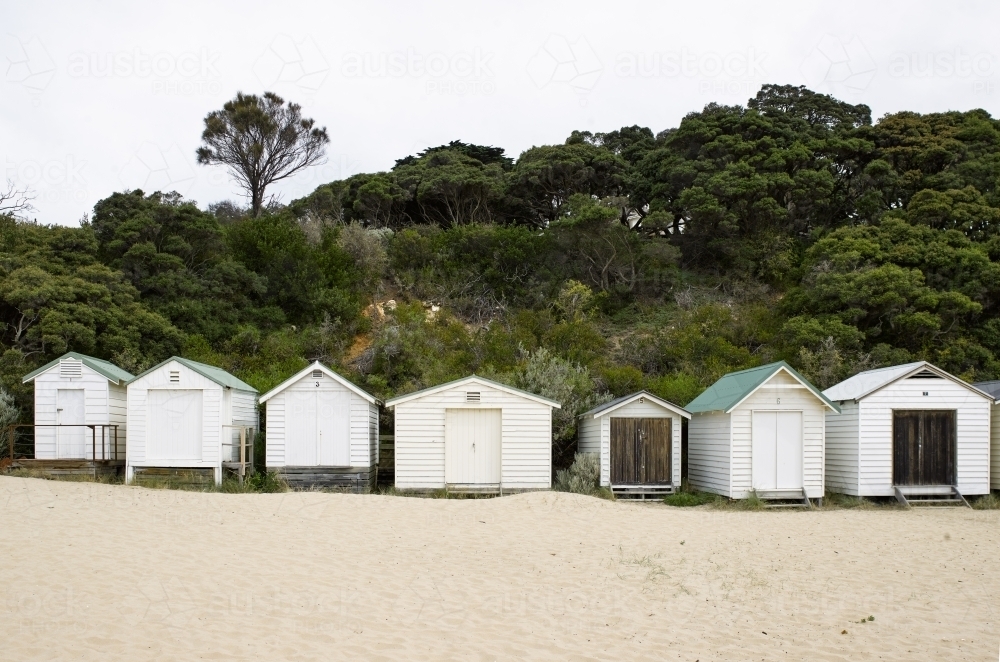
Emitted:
pixel 759 431
pixel 473 434
pixel 191 420
pixel 992 388
pixel 322 431
pixel 638 441
pixel 80 420
pixel 909 431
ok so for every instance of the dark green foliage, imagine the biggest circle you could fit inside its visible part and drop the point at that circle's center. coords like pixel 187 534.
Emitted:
pixel 789 228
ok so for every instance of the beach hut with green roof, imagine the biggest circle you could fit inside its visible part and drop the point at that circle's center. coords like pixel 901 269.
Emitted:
pixel 759 431
pixel 189 419
pixel 80 419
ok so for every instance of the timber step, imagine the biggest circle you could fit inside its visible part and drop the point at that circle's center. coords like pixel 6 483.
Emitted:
pixel 642 492
pixel 785 499
pixel 939 496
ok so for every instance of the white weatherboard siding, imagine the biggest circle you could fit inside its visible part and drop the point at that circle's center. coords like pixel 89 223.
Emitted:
pixel 785 394
pixel 219 408
pixel 526 441
pixel 640 410
pixel 709 452
pixel 320 422
pixel 995 447
pixel 139 424
pixel 842 449
pixel 972 432
pixel 99 408
pixel 118 415
pixel 589 437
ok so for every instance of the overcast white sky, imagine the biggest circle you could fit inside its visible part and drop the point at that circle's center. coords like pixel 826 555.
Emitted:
pixel 104 96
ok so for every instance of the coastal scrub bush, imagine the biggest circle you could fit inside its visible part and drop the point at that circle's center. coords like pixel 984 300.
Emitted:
pixel 583 476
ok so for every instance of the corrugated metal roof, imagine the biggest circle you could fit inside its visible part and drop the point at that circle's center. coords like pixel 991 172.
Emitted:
pixel 217 375
pixel 865 382
pixel 991 387
pixel 869 381
pixel 733 388
pixel 102 367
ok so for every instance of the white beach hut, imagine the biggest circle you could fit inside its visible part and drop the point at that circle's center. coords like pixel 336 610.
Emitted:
pixel 322 430
pixel 80 420
pixel 638 441
pixel 759 430
pixel 185 415
pixel 473 434
pixel 908 431
pixel 992 388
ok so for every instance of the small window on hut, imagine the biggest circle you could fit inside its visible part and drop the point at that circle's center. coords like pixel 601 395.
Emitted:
pixel 175 376
pixel 472 396
pixel 70 369
pixel 317 374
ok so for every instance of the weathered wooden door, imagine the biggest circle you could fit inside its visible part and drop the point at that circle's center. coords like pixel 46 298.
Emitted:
pixel 640 451
pixel 472 440
pixel 923 447
pixel 72 442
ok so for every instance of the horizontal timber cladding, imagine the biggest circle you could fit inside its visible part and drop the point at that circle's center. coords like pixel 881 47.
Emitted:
pixel 96 411
pixel 359 480
pixel 995 447
pixel 842 449
pixel 647 409
pixel 284 438
pixel 219 407
pixel 640 451
pixel 780 393
pixel 526 437
pixel 708 452
pixel 972 432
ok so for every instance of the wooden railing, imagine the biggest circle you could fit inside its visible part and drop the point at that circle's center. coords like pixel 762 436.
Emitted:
pixel 244 447
pixel 108 443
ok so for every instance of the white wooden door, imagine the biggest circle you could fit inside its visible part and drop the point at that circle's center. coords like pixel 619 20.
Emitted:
pixel 71 409
pixel 333 414
pixel 175 425
pixel 472 446
pixel 776 450
pixel 301 435
pixel 789 451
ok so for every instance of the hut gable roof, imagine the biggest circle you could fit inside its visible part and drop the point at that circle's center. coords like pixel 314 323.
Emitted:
pixel 732 389
pixel 217 375
pixel 617 403
pixel 865 383
pixel 992 388
pixel 113 373
pixel 472 379
pixel 316 365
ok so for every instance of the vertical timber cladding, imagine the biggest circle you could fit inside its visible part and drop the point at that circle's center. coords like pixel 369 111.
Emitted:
pixel 640 451
pixel 923 447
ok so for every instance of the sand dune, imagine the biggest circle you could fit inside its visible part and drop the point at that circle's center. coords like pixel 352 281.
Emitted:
pixel 98 572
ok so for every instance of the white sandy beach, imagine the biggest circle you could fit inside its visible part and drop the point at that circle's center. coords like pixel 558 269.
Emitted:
pixel 99 572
